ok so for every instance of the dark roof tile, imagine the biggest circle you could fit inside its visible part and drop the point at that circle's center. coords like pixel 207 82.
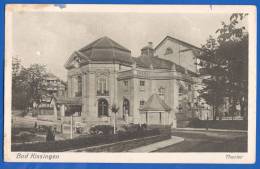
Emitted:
pixel 104 43
pixel 155 103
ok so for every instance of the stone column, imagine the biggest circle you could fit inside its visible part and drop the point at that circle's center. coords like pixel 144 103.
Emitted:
pixel 69 86
pixel 91 96
pixel 72 86
pixel 135 100
pixel 84 96
pixel 175 103
pixel 174 99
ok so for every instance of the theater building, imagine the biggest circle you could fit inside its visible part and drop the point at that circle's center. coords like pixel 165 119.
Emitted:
pixel 157 87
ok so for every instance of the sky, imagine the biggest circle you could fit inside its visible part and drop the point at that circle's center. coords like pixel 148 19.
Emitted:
pixel 51 37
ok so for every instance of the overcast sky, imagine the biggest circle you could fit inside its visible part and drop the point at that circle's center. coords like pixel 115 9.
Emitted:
pixel 51 37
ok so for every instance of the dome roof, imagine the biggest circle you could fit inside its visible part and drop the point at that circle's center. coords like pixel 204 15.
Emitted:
pixel 106 50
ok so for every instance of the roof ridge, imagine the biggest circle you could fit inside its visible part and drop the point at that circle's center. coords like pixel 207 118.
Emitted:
pixel 176 39
pixel 113 44
pixel 99 40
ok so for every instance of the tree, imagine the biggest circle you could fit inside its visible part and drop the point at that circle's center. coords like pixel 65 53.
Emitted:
pixel 214 81
pixel 233 50
pixel 225 65
pixel 19 97
pixel 35 76
pixel 26 85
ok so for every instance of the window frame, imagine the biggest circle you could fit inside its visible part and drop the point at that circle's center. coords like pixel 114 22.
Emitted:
pixel 168 51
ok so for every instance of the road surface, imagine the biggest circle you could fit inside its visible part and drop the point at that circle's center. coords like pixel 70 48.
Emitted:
pixel 208 141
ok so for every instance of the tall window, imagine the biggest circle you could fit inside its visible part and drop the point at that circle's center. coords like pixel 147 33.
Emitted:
pixel 142 85
pixel 161 92
pixel 125 85
pixel 79 92
pixel 102 107
pixel 125 82
pixel 126 107
pixel 141 103
pixel 102 87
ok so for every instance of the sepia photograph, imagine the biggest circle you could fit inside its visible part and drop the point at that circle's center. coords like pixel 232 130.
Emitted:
pixel 130 83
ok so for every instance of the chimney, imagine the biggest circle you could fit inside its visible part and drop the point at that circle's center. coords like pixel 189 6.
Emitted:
pixel 148 50
pixel 150 44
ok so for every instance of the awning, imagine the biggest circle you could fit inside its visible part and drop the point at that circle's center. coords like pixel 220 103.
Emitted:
pixel 68 101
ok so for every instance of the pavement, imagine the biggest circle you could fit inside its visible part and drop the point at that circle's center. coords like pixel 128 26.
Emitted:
pixel 158 145
pixel 210 129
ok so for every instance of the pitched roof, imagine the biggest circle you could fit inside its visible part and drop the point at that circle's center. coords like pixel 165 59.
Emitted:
pixel 155 103
pixel 176 40
pixel 157 63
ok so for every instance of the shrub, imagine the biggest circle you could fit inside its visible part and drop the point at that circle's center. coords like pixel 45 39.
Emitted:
pixel 132 127
pixel 219 124
pixel 81 142
pixel 196 123
pixel 101 129
pixel 22 136
pixel 17 131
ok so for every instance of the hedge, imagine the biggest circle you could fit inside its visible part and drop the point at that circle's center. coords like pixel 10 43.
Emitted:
pixel 81 142
pixel 219 124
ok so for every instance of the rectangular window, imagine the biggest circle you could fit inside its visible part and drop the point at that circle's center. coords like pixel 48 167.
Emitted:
pixel 141 103
pixel 126 83
pixel 142 83
pixel 102 89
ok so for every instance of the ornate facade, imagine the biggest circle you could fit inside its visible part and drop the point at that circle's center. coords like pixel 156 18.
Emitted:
pixel 158 87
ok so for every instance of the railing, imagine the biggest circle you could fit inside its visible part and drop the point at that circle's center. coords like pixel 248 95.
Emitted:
pixel 125 74
pixel 102 93
pixel 154 74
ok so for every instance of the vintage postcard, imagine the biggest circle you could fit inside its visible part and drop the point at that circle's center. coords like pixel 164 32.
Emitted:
pixel 130 83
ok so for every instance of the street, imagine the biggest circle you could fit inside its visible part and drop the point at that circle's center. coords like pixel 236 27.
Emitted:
pixel 208 141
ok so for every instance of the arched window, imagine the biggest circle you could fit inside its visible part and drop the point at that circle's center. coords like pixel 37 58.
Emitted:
pixel 126 108
pixel 102 107
pixel 102 84
pixel 168 51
